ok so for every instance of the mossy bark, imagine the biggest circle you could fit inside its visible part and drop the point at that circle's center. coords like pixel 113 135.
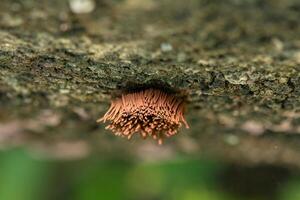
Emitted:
pixel 236 62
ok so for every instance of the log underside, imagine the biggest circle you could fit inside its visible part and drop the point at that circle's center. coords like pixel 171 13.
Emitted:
pixel 237 64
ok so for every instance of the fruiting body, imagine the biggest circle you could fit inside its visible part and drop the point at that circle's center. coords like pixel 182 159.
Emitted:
pixel 149 112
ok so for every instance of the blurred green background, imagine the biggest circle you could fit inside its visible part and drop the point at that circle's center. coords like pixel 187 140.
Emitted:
pixel 24 177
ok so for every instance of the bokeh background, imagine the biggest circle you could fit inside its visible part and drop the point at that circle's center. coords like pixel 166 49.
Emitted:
pixel 25 176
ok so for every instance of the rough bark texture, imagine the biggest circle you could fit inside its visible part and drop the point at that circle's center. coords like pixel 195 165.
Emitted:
pixel 237 63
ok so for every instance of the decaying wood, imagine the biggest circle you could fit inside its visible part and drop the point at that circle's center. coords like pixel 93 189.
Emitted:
pixel 236 62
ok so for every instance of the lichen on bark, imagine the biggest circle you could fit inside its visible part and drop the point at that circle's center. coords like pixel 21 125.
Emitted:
pixel 237 63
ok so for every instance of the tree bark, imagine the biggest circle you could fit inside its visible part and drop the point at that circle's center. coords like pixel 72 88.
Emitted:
pixel 236 62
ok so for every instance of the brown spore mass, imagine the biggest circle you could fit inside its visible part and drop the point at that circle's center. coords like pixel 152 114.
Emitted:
pixel 150 112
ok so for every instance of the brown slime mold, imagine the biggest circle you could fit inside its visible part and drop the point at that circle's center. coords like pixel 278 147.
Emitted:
pixel 150 112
